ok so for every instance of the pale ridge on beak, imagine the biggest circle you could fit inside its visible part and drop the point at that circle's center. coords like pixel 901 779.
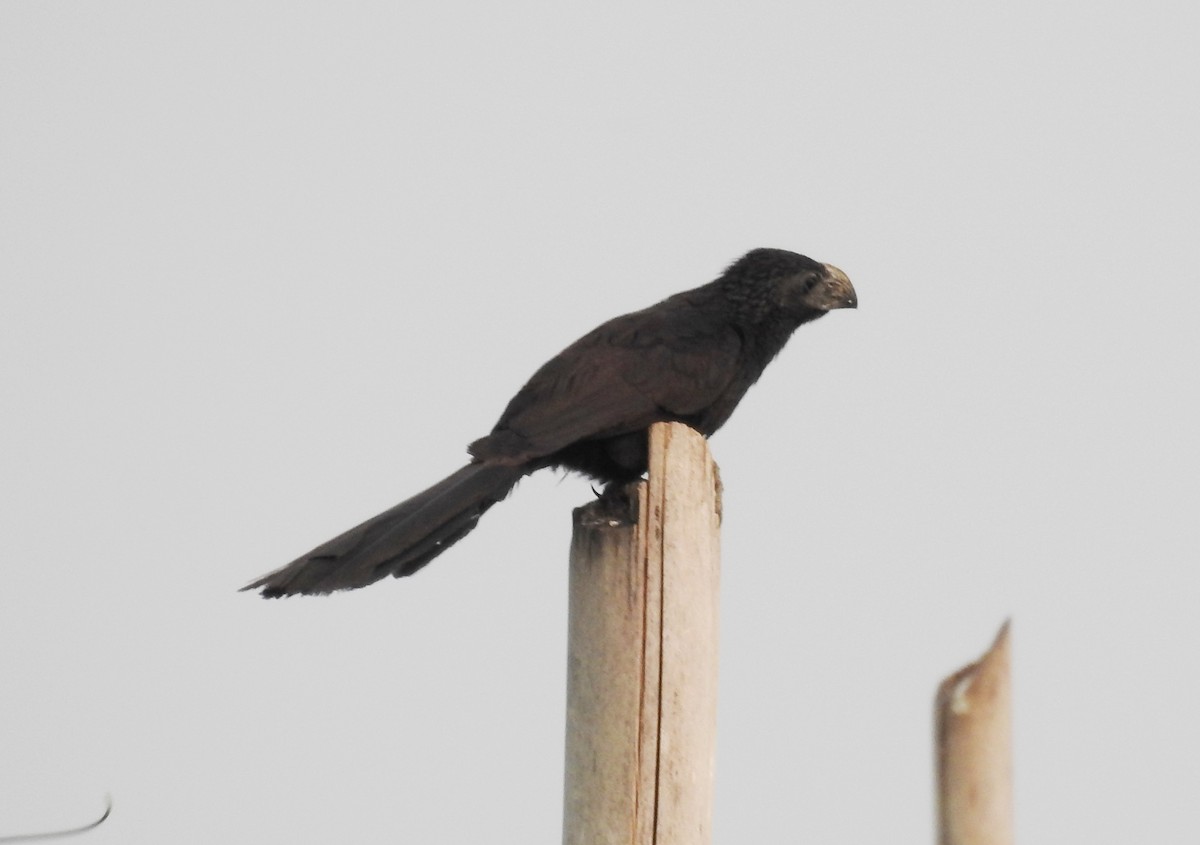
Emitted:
pixel 840 282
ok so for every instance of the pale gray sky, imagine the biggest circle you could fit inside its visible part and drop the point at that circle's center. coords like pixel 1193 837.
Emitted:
pixel 240 244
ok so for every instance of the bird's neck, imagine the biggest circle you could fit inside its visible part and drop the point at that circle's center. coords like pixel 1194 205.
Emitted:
pixel 771 333
pixel 763 325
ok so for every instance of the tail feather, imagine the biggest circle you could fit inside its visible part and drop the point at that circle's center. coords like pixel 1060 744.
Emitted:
pixel 398 541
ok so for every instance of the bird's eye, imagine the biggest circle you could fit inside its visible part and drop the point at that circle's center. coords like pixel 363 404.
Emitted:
pixel 810 283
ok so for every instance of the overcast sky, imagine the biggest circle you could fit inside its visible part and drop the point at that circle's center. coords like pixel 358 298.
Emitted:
pixel 266 268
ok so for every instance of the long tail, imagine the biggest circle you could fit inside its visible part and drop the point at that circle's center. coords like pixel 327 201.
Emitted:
pixel 399 541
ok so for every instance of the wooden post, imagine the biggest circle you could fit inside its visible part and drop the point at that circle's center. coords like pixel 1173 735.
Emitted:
pixel 642 655
pixel 974 751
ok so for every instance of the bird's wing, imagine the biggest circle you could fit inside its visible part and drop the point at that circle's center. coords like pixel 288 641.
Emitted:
pixel 662 363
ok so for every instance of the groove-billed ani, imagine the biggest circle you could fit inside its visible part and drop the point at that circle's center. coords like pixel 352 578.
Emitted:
pixel 689 359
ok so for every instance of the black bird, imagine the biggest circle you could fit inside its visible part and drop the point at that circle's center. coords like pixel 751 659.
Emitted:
pixel 688 359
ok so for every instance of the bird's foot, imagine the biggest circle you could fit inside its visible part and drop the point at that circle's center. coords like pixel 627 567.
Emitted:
pixel 616 504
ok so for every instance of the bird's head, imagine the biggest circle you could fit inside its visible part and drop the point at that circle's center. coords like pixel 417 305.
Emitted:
pixel 826 289
pixel 814 286
pixel 795 283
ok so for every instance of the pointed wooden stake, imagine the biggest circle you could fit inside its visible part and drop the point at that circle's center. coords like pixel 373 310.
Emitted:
pixel 974 751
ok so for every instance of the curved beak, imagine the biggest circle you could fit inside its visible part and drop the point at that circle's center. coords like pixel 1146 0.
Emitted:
pixel 841 292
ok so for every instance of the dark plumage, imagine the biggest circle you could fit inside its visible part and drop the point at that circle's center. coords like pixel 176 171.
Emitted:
pixel 689 359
